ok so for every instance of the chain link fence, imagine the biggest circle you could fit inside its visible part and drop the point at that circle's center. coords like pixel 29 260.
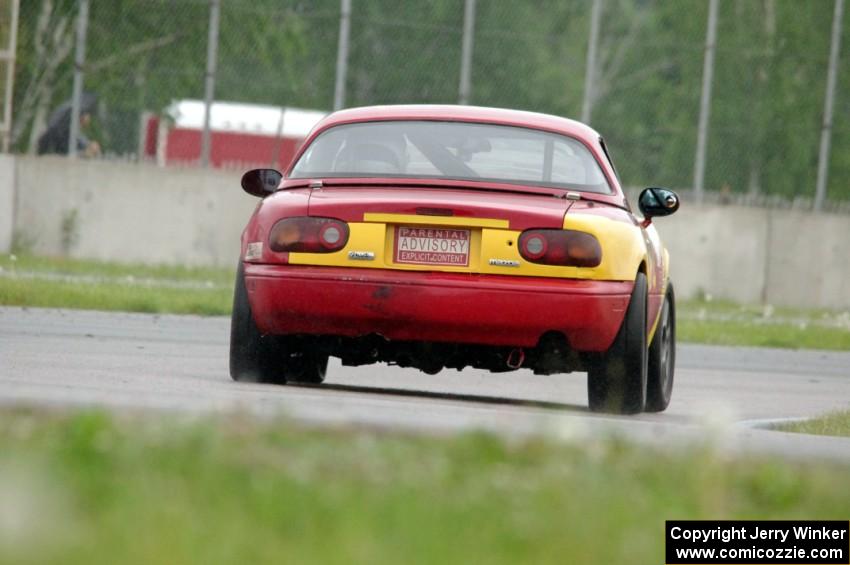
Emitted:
pixel 277 69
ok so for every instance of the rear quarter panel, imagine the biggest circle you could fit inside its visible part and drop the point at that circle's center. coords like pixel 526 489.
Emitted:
pixel 625 246
pixel 621 238
pixel 281 204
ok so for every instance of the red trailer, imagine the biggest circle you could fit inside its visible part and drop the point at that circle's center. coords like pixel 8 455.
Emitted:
pixel 243 135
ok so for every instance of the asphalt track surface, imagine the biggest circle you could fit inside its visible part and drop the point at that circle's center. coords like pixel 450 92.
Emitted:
pixel 153 364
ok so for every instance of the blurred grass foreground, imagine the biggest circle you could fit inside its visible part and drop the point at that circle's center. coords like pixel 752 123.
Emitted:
pixel 90 488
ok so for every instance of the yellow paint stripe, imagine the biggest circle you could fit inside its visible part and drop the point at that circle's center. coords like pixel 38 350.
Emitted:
pixel 435 220
pixel 651 335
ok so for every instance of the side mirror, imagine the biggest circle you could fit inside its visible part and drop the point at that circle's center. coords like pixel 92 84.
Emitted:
pixel 261 182
pixel 657 202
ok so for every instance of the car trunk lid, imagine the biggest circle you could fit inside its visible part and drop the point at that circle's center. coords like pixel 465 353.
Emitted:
pixel 518 209
pixel 431 228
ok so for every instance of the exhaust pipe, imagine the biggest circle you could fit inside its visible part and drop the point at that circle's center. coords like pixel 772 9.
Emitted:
pixel 516 358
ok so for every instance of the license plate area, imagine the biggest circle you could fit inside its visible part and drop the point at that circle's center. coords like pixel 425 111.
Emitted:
pixel 446 247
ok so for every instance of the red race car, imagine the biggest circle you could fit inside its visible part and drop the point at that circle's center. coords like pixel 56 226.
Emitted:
pixel 452 236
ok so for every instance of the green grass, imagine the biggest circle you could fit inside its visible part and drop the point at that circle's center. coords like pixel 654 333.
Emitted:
pixel 61 265
pixel 66 283
pixel 115 296
pixel 726 323
pixel 786 336
pixel 833 424
pixel 89 488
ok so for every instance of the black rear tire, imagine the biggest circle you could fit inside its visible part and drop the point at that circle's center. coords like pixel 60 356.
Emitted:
pixel 252 355
pixel 662 357
pixel 256 358
pixel 616 380
pixel 303 364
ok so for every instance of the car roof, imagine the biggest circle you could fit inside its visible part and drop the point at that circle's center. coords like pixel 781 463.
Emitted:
pixel 457 113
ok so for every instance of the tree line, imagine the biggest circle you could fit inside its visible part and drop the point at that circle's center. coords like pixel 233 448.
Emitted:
pixel 766 109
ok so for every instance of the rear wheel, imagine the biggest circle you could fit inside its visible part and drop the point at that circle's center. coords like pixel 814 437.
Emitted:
pixel 268 359
pixel 662 357
pixel 616 381
pixel 252 355
pixel 303 364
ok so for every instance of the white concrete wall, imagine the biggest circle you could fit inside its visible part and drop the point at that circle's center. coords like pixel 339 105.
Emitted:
pixel 808 259
pixel 7 202
pixel 717 250
pixel 131 212
pixel 782 257
pixel 142 213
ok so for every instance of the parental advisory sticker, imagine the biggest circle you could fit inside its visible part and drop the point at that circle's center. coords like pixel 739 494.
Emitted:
pixel 693 542
pixel 432 246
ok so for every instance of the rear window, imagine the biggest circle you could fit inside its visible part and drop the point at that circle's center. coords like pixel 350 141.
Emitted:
pixel 452 150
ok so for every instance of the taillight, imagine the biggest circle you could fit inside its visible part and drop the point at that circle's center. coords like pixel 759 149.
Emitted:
pixel 308 235
pixel 533 246
pixel 560 247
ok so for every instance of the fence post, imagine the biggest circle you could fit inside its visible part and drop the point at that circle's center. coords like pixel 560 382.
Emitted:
pixel 209 82
pixel 705 100
pixel 79 61
pixel 826 128
pixel 10 76
pixel 590 67
pixel 465 87
pixel 342 54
